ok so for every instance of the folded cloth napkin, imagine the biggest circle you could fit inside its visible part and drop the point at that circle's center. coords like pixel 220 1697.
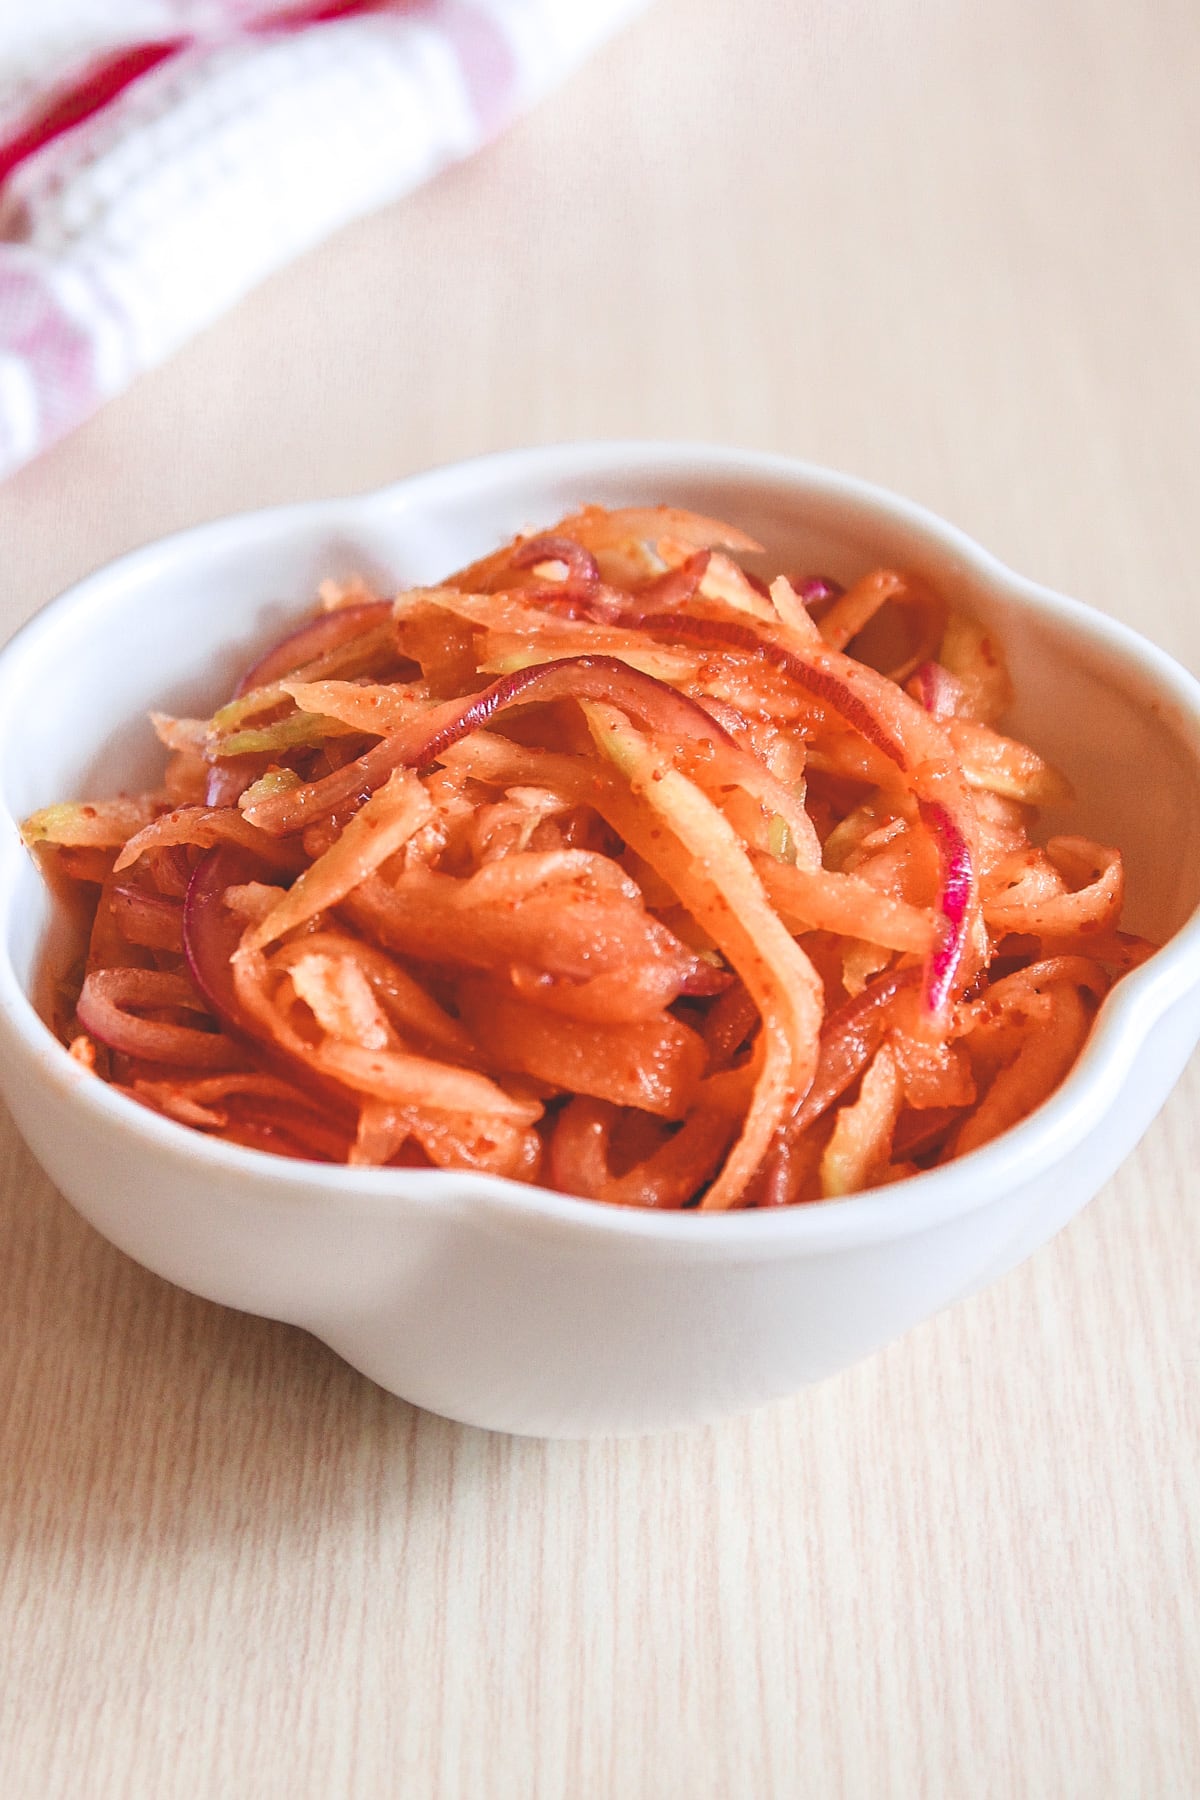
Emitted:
pixel 147 181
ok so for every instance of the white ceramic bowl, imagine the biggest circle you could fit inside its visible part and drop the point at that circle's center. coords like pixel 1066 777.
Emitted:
pixel 519 1309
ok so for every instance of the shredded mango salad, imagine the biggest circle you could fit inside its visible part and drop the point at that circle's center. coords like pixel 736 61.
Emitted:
pixel 604 865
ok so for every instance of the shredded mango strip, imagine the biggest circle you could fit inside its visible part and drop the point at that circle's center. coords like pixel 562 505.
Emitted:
pixel 204 826
pixel 722 892
pixel 859 1150
pixel 386 822
pixel 612 864
pixel 97 825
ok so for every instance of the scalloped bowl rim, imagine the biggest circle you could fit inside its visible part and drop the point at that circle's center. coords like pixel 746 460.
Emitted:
pixel 1125 1020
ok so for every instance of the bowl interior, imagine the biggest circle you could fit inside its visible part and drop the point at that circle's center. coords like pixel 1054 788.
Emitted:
pixel 170 628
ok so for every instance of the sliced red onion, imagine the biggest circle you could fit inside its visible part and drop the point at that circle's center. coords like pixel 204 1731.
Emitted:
pixel 315 638
pixel 936 689
pixel 816 589
pixel 644 697
pixel 675 587
pixel 106 1012
pixel 601 607
pixel 956 891
pixel 230 776
pixel 583 594
pixel 583 571
pixel 212 931
pixel 818 682
pixel 211 934
pixel 605 605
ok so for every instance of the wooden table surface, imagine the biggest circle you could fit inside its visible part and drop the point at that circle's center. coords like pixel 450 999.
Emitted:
pixel 955 249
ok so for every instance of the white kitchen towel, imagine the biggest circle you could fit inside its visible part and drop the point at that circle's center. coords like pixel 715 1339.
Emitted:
pixel 159 158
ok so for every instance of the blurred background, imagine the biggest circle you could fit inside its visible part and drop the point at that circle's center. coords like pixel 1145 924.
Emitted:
pixel 940 246
pixel 953 249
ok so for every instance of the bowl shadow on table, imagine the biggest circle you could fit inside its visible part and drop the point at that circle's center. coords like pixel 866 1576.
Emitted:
pixel 133 1408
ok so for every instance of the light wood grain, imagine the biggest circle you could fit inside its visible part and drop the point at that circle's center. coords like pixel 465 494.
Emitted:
pixel 954 249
